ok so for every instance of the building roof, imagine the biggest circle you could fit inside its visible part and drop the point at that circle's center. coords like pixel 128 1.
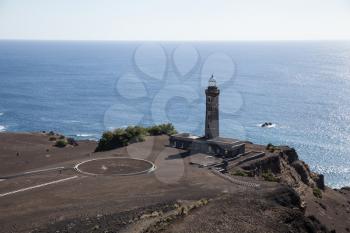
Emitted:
pixel 217 140
pixel 222 140
pixel 185 135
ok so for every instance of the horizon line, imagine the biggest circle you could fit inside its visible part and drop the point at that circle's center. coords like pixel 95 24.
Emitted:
pixel 132 40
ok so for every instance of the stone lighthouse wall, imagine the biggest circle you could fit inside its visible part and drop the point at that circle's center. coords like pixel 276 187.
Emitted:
pixel 212 112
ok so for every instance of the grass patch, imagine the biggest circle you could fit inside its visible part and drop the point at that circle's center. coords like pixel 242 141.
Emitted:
pixel 124 136
pixel 269 176
pixel 239 173
pixel 61 143
pixel 272 148
pixel 317 192
pixel 180 211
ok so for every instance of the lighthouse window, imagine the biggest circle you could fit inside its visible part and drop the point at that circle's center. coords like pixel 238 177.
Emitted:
pixel 209 99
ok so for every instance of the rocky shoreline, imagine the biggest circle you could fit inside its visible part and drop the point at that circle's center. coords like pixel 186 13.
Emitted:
pixel 331 207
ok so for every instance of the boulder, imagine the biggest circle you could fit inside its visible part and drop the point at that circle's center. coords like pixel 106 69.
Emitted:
pixel 303 171
pixel 319 180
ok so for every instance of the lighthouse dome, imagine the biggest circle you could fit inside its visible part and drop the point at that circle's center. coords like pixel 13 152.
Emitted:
pixel 212 81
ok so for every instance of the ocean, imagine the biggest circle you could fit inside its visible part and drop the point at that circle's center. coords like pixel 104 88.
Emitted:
pixel 84 88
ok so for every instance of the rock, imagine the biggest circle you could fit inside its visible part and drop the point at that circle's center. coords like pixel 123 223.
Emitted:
pixel 287 197
pixel 289 154
pixel 319 180
pixel 270 163
pixel 51 133
pixel 71 141
pixel 302 171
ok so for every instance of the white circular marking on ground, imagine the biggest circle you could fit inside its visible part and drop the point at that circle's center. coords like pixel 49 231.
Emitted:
pixel 109 168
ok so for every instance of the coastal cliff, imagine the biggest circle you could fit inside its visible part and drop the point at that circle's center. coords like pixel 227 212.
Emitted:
pixel 41 191
pixel 281 164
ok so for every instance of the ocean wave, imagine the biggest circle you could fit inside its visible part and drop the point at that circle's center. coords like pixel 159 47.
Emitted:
pixel 70 121
pixel 2 128
pixel 85 135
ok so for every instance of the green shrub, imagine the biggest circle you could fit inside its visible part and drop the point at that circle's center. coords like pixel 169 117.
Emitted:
pixel 61 143
pixel 270 147
pixel 317 192
pixel 154 130
pixel 269 176
pixel 136 134
pixel 167 129
pixel 124 136
pixel 239 173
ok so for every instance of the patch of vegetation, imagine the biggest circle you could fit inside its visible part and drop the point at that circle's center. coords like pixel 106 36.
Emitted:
pixel 269 176
pixel 161 129
pixel 124 136
pixel 185 209
pixel 271 148
pixel 239 173
pixel 181 210
pixel 317 192
pixel 61 143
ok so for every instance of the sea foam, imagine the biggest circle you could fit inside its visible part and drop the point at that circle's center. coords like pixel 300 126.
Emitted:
pixel 2 128
pixel 268 126
pixel 84 135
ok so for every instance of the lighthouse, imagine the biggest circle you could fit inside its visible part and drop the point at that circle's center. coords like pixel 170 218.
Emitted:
pixel 211 143
pixel 212 110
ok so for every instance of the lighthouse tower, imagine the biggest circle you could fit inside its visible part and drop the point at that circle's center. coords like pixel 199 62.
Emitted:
pixel 212 110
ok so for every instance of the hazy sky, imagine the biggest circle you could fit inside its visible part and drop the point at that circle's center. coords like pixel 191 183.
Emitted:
pixel 175 20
